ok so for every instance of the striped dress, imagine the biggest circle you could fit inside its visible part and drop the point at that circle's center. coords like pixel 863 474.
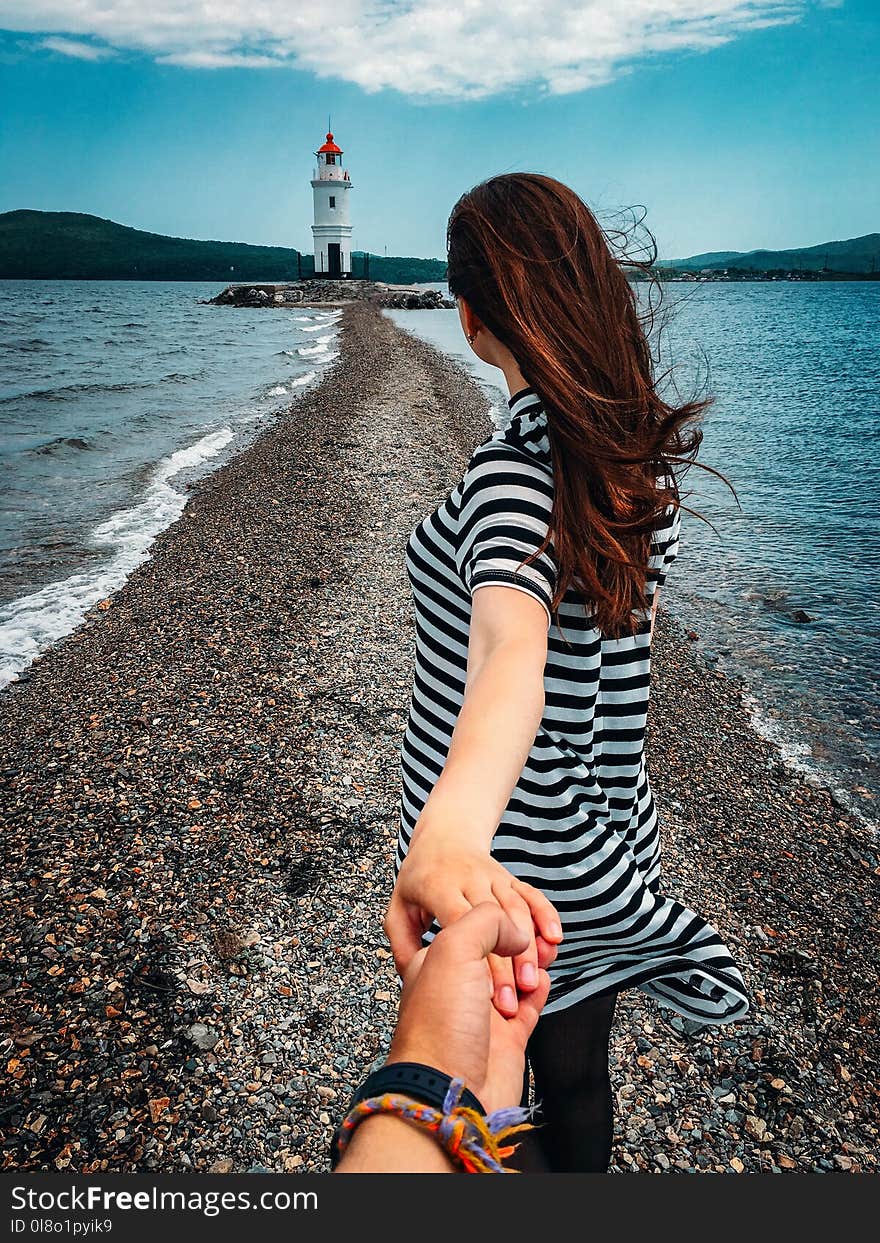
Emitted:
pixel 581 824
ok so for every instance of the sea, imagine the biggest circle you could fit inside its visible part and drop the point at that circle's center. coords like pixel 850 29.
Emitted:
pixel 777 582
pixel 115 396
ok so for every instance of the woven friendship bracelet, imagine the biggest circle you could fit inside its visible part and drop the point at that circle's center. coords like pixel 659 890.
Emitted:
pixel 477 1143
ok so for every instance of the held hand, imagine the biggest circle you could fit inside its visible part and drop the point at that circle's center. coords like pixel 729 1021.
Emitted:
pixel 444 882
pixel 447 1019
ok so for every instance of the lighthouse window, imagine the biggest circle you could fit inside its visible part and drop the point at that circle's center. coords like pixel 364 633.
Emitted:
pixel 332 200
pixel 331 158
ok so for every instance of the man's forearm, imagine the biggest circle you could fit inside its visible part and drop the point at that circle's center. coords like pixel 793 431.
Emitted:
pixel 385 1144
pixel 494 733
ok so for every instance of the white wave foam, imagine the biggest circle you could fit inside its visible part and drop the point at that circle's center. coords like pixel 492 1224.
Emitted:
pixel 315 328
pixel 793 750
pixel 303 319
pixel 278 391
pixel 303 379
pixel 31 624
pixel 329 336
pixel 797 756
pixel 307 350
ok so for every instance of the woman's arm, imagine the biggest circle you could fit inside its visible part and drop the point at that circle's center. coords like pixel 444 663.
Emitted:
pixel 654 609
pixel 449 868
pixel 499 718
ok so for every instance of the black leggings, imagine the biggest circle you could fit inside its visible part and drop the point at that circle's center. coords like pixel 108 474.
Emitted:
pixel 568 1056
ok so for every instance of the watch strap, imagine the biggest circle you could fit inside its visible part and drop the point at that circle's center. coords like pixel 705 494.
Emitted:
pixel 424 1084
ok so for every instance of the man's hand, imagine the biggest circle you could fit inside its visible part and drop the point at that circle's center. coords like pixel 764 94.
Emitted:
pixel 447 1017
pixel 447 1020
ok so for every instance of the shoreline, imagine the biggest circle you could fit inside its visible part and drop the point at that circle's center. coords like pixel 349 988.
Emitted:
pixel 201 787
pixel 166 402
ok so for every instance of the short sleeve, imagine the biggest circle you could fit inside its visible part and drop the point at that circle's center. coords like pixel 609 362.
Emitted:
pixel 664 547
pixel 505 514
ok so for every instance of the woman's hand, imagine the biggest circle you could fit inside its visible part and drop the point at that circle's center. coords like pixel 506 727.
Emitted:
pixel 442 880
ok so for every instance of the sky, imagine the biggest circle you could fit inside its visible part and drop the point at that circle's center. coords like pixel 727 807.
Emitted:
pixel 737 124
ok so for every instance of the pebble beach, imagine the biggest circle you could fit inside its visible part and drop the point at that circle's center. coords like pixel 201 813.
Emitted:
pixel 199 790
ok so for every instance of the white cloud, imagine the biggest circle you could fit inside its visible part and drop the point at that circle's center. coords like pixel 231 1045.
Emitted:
pixel 206 59
pixel 76 49
pixel 434 48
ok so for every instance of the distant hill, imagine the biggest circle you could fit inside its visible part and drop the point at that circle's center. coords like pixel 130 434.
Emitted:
pixel 39 245
pixel 858 254
pixel 700 261
pixel 402 271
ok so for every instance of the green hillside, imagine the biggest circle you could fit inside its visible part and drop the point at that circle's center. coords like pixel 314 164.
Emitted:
pixel 402 271
pixel 701 261
pixel 37 245
pixel 857 254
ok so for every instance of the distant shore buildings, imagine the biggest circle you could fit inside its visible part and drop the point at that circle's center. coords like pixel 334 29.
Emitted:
pixel 716 275
pixel 331 231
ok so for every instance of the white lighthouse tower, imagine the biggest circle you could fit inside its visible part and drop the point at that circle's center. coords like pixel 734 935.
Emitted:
pixel 331 187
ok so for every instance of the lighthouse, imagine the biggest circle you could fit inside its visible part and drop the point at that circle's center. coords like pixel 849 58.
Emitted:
pixel 331 187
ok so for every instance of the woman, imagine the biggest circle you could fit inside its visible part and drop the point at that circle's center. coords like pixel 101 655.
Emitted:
pixel 535 586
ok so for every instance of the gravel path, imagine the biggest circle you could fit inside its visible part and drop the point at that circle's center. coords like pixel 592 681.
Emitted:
pixel 200 789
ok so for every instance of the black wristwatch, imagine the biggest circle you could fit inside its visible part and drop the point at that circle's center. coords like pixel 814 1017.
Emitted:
pixel 423 1083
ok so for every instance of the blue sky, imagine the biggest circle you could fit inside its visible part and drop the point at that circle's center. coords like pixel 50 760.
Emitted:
pixel 737 123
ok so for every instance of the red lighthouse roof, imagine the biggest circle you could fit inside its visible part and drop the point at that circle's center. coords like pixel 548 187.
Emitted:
pixel 330 145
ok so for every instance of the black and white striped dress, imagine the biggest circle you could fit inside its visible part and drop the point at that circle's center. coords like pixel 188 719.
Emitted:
pixel 581 824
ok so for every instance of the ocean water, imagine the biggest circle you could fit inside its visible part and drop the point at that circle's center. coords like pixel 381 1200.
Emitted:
pixel 114 397
pixel 795 425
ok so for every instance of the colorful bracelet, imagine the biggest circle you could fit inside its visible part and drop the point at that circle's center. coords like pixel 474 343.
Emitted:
pixel 475 1142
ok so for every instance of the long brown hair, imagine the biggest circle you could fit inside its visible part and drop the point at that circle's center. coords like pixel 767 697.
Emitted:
pixel 533 263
